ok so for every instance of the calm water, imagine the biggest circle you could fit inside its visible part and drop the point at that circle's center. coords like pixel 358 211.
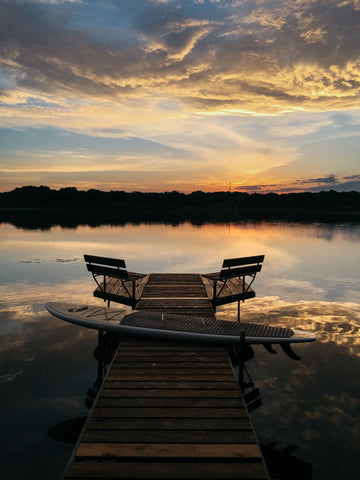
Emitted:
pixel 310 413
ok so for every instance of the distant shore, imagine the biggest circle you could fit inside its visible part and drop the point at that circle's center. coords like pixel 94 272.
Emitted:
pixel 42 206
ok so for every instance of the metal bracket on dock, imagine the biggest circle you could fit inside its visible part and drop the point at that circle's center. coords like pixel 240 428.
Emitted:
pixel 239 354
pixel 107 345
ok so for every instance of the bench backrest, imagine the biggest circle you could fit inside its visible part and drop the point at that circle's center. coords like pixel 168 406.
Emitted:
pixel 112 267
pixel 237 267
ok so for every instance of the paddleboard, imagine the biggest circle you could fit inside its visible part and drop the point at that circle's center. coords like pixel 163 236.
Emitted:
pixel 174 327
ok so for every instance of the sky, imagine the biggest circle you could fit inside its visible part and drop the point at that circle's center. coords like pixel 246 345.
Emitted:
pixel 161 95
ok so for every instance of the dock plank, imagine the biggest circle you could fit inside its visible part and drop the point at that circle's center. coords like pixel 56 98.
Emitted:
pixel 165 470
pixel 168 450
pixel 169 436
pixel 169 410
pixel 174 401
pixel 172 384
pixel 176 293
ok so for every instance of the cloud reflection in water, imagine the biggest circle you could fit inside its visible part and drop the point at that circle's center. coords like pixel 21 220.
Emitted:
pixel 333 322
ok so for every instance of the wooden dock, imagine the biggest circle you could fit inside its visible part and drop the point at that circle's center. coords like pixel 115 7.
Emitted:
pixel 169 410
pixel 176 293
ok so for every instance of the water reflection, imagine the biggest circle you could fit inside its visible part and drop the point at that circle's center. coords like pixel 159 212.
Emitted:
pixel 44 371
pixel 282 464
pixel 333 322
pixel 67 431
pixel 309 279
pixel 299 263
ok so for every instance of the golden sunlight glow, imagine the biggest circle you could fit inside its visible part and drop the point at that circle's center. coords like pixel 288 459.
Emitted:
pixel 179 90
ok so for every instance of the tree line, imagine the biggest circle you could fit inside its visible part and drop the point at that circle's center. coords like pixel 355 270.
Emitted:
pixel 44 197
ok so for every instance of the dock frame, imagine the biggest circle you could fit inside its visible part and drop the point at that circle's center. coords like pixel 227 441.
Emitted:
pixel 169 410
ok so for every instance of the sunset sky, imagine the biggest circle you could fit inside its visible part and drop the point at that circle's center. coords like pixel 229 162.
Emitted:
pixel 161 95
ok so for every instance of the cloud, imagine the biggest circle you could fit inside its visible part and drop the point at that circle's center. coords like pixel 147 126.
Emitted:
pixel 330 182
pixel 284 55
pixel 255 188
pixel 353 177
pixel 340 187
pixel 185 80
pixel 331 179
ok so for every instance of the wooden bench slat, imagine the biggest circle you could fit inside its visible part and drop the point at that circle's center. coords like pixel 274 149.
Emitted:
pixel 240 271
pixel 232 262
pixel 116 262
pixel 107 271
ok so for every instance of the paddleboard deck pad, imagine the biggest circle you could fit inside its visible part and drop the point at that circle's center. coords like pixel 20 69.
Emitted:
pixel 174 327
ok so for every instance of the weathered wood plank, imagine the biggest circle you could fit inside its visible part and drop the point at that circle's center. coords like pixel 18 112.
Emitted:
pixel 164 361
pixel 176 423
pixel 156 291
pixel 172 349
pixel 156 401
pixel 131 343
pixel 151 364
pixel 176 293
pixel 172 384
pixel 169 412
pixel 119 375
pixel 181 355
pixel 169 436
pixel 190 349
pixel 184 311
pixel 176 370
pixel 175 278
pixel 166 450
pixel 165 470
pixel 175 302
pixel 157 392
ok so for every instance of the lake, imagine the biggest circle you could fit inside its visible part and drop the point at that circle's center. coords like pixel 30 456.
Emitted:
pixel 309 420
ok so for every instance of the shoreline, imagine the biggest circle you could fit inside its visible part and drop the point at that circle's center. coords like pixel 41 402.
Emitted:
pixel 31 217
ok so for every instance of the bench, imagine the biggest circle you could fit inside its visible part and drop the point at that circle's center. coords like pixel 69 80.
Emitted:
pixel 118 284
pixel 230 285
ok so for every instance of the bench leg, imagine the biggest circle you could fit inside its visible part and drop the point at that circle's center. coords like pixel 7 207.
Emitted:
pixel 133 303
pixel 241 357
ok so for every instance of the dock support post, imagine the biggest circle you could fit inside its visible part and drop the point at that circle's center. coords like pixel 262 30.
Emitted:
pixel 133 296
pixel 241 356
pixel 101 368
pixel 238 317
